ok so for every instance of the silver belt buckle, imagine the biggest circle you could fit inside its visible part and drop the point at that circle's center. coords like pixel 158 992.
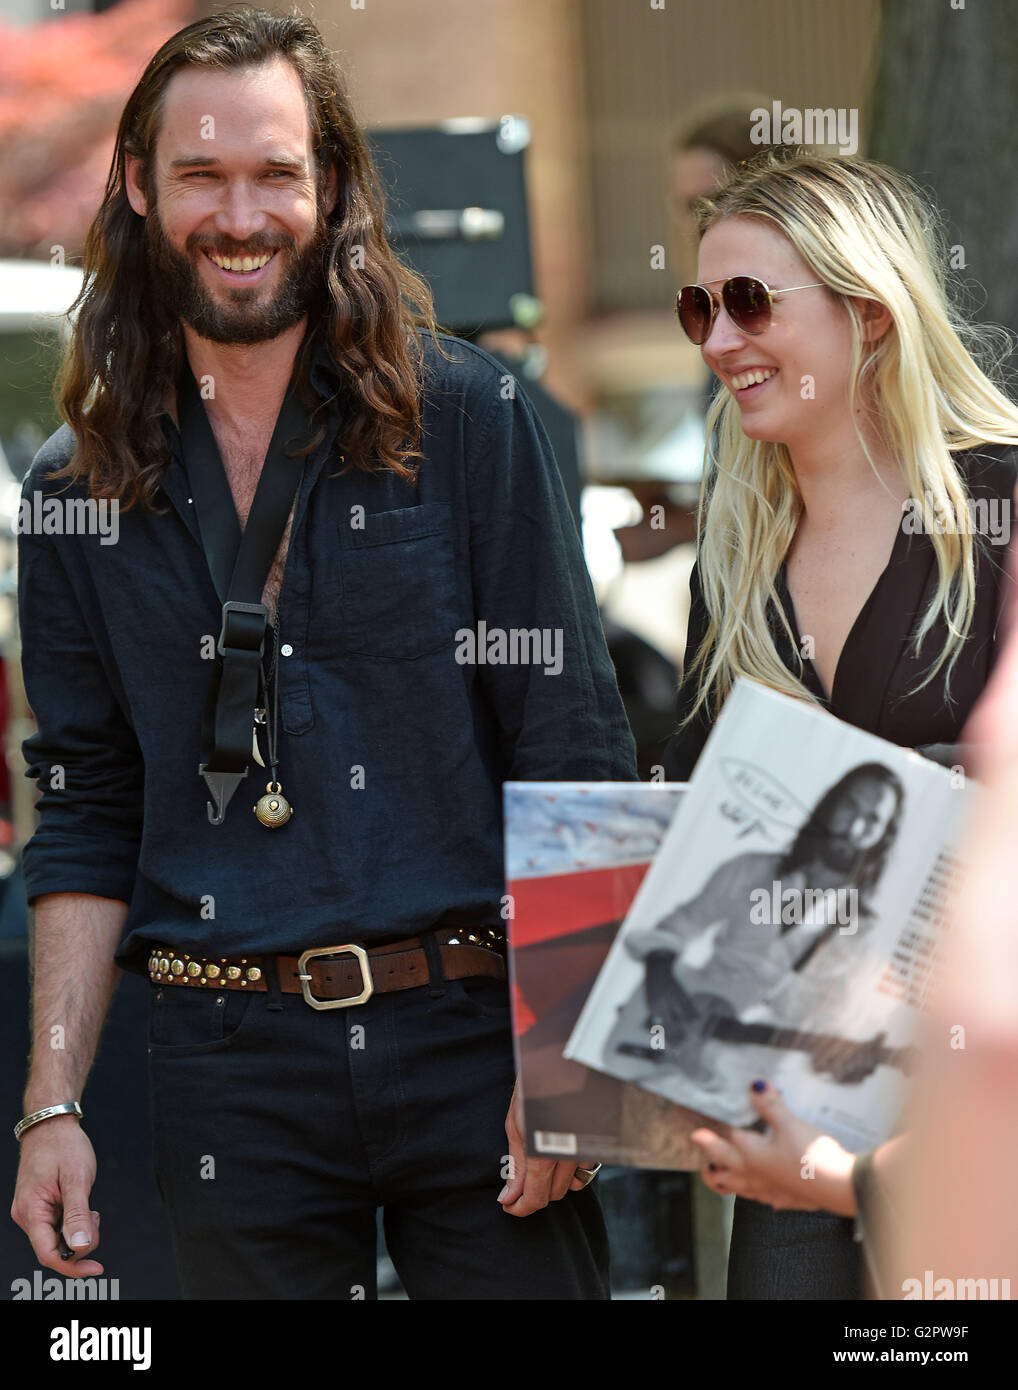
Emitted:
pixel 305 978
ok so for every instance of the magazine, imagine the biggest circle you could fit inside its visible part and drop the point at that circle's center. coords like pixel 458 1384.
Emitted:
pixel 788 926
pixel 576 853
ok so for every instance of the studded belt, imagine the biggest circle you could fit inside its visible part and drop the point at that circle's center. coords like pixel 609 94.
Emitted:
pixel 336 977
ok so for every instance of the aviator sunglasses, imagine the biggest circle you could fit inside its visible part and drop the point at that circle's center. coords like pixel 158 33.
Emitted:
pixel 747 300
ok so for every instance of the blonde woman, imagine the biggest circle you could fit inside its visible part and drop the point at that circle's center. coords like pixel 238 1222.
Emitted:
pixel 858 499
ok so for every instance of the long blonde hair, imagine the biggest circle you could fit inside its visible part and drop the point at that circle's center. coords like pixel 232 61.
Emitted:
pixel 866 232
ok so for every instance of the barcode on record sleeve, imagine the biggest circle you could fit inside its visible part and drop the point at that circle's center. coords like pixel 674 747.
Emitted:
pixel 549 1141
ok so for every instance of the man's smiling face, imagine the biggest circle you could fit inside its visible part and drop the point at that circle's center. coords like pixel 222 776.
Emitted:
pixel 249 192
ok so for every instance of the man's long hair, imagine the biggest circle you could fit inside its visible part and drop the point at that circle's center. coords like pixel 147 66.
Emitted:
pixel 125 352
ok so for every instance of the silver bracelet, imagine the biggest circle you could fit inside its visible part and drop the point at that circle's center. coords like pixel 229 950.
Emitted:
pixel 70 1107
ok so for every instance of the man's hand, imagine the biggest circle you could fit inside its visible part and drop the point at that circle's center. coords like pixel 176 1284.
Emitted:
pixel 667 1002
pixel 793 1167
pixel 55 1177
pixel 849 1063
pixel 534 1182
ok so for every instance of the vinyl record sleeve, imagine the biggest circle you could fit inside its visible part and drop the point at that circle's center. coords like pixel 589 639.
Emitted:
pixel 576 853
pixel 789 926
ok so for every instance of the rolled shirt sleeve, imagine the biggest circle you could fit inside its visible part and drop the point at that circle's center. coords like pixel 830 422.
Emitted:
pixel 84 753
pixel 553 687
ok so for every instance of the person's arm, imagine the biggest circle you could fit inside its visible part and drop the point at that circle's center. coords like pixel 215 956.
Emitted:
pixel 713 903
pixel 79 869
pixel 561 717
pixel 876 1179
pixel 84 755
pixel 73 979
pixel 952 755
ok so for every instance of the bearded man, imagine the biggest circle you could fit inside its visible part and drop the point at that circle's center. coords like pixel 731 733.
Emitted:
pixel 329 1025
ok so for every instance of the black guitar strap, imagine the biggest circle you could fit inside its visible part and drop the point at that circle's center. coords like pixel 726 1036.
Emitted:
pixel 804 958
pixel 239 565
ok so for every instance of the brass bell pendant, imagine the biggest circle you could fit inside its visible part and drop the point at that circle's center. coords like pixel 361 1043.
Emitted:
pixel 273 809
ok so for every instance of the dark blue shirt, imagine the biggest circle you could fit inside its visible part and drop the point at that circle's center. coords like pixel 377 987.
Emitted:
pixel 392 751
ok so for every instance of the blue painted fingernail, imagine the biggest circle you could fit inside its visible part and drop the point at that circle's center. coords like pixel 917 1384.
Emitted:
pixel 759 1087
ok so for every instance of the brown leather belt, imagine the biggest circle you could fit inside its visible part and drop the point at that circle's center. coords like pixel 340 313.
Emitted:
pixel 335 977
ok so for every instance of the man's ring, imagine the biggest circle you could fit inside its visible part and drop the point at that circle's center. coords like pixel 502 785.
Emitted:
pixel 588 1174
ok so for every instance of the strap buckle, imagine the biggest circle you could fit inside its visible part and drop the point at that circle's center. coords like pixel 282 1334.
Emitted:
pixel 232 634
pixel 305 979
pixel 222 785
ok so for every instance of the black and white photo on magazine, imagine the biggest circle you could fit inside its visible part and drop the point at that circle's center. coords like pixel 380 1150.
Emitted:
pixel 787 927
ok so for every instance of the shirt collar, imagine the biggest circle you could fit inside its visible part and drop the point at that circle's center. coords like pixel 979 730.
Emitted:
pixel 325 375
pixel 326 380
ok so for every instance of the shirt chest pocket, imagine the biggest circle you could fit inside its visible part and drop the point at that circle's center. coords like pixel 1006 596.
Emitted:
pixel 399 583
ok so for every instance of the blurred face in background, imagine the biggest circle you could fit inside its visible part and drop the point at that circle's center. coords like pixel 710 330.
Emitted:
pixel 695 172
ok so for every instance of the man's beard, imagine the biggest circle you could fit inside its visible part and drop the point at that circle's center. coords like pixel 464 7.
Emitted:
pixel 181 294
pixel 828 851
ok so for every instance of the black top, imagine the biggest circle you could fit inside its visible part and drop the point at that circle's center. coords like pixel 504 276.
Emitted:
pixel 878 669
pixel 394 736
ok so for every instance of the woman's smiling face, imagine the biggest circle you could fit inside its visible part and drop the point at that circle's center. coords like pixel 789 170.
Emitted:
pixel 805 353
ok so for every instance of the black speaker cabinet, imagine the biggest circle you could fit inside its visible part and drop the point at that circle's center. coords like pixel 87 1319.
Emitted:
pixel 457 210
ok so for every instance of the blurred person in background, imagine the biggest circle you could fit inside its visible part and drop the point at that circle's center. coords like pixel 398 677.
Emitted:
pixel 708 144
pixel 849 398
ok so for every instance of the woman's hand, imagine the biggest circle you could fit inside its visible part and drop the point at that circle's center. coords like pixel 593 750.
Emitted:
pixel 794 1166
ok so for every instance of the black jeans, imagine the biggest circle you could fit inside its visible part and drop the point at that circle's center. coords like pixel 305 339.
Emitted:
pixel 279 1129
pixel 792 1255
